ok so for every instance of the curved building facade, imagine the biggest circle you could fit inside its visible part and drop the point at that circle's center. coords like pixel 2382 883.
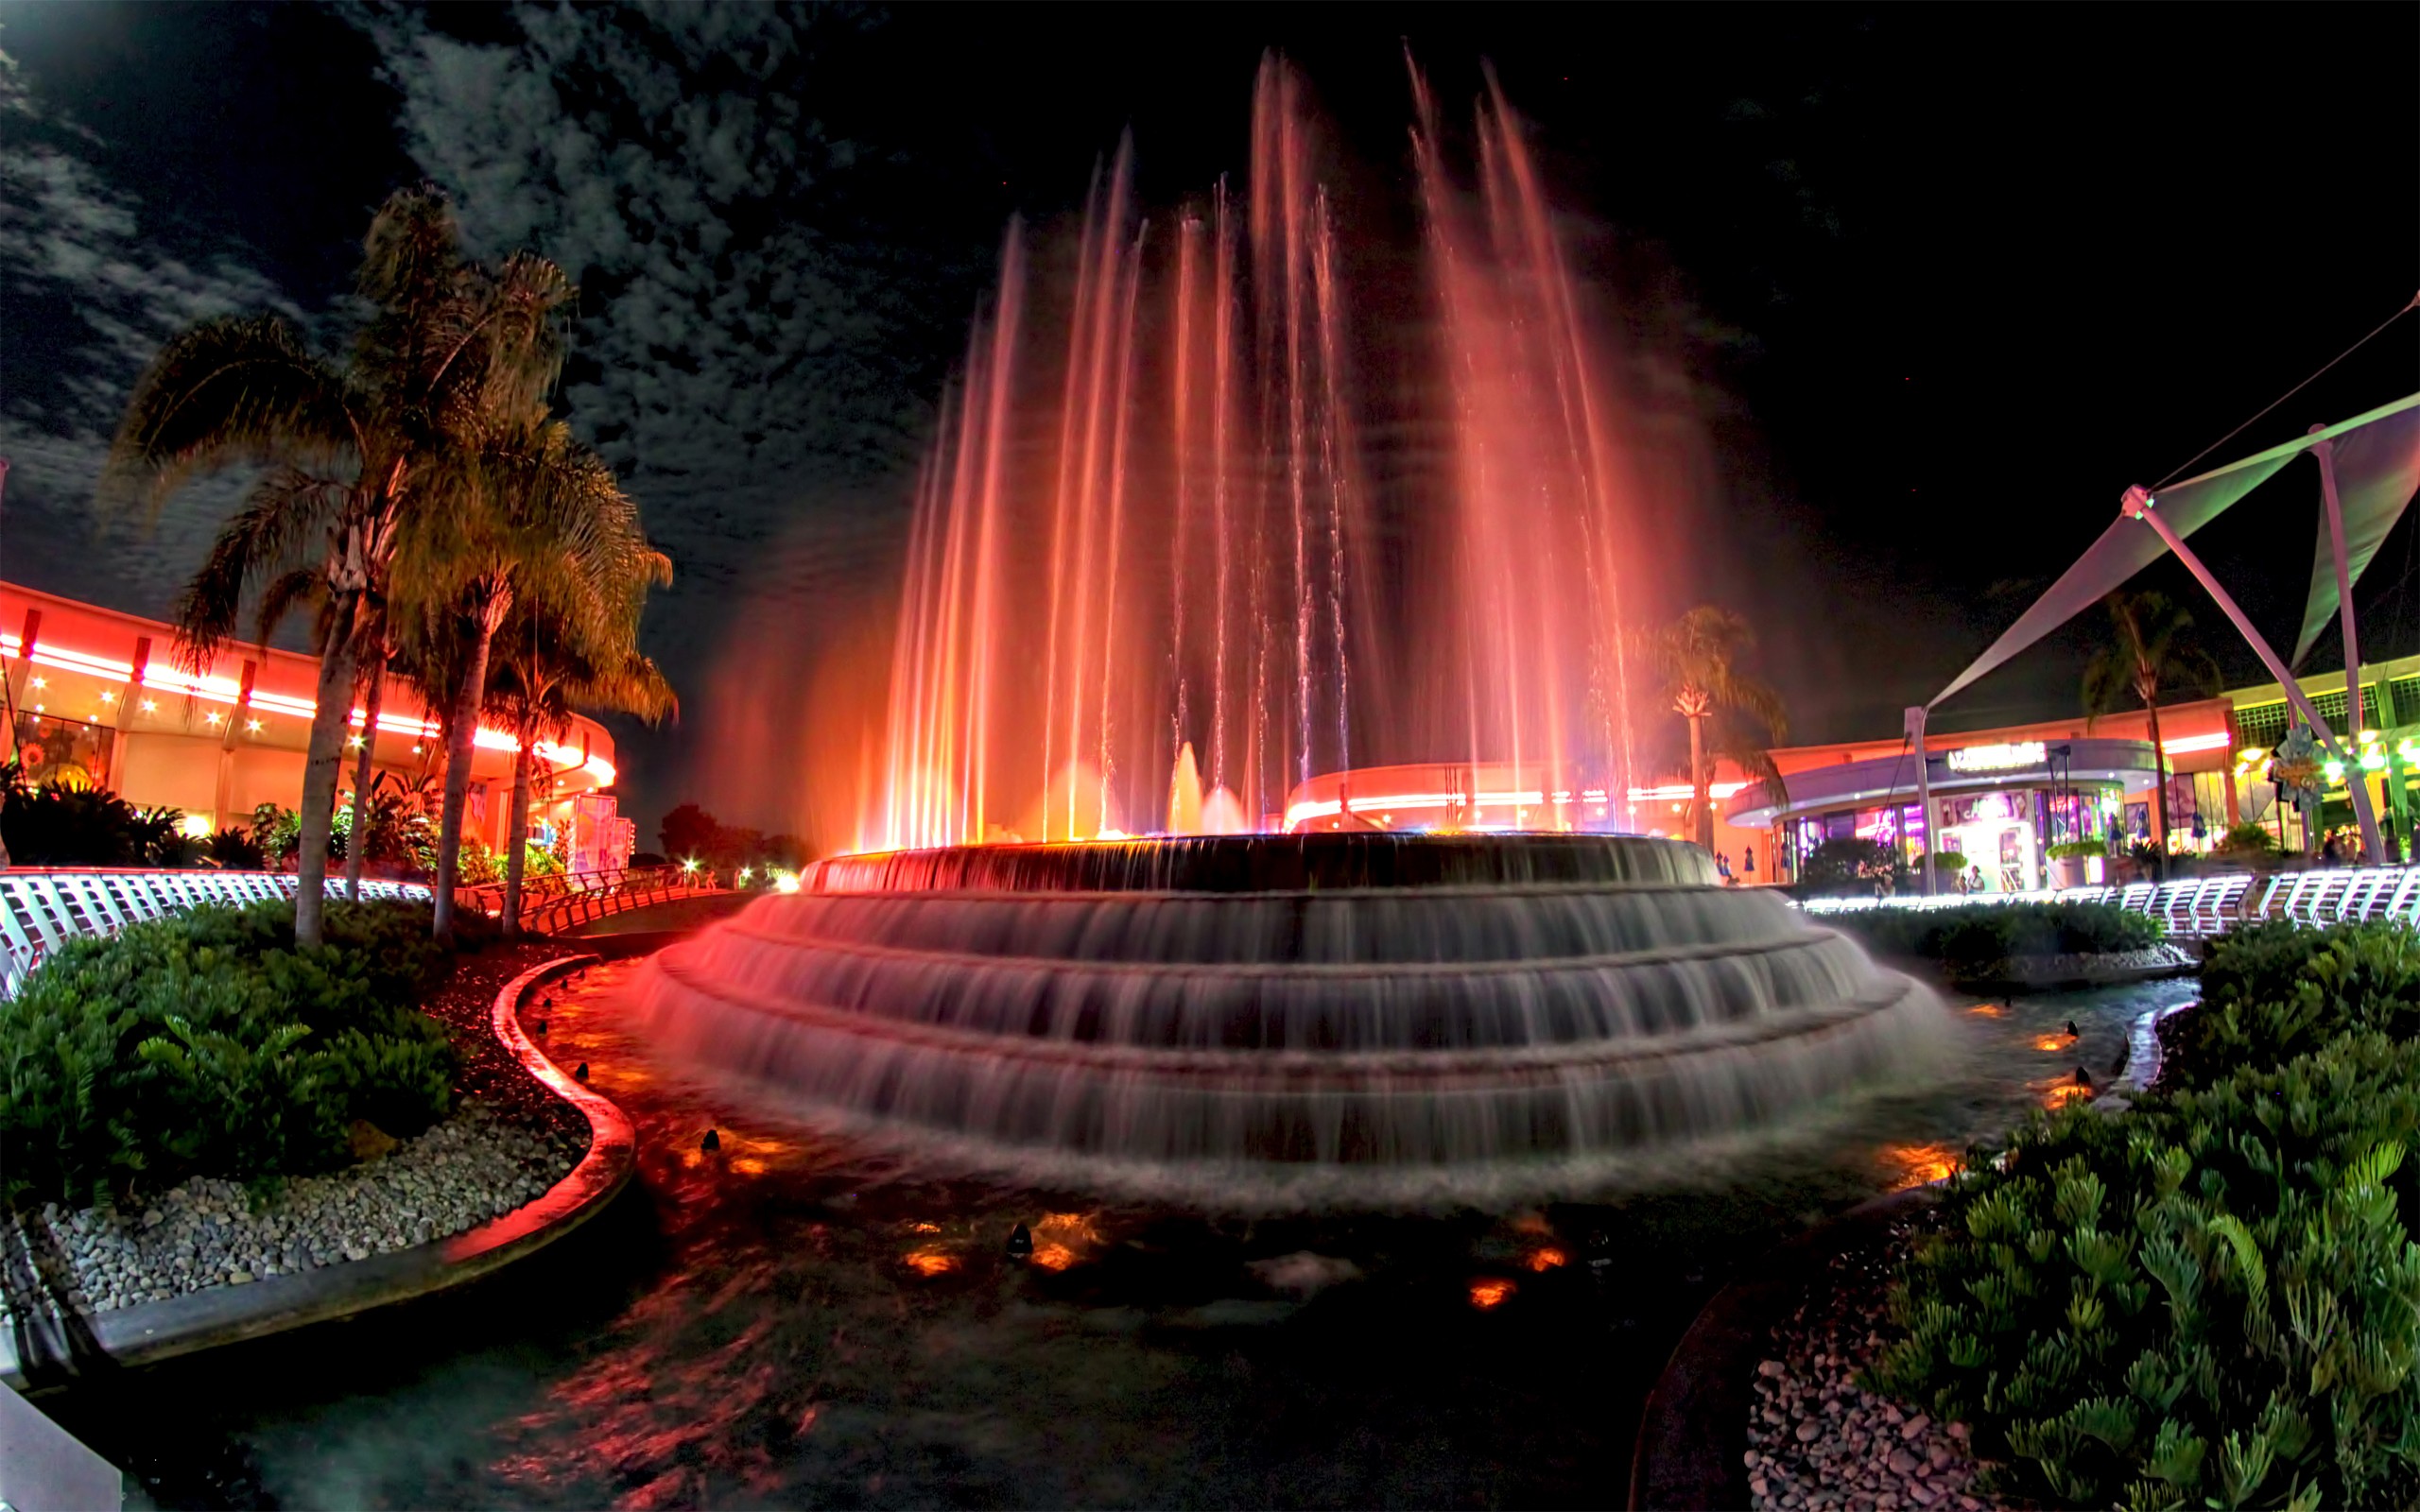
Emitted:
pixel 94 697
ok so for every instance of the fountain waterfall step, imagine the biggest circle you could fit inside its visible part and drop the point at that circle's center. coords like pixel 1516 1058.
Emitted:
pixel 1245 1063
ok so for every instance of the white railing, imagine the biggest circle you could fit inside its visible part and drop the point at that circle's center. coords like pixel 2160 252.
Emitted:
pixel 41 911
pixel 2197 907
pixel 562 901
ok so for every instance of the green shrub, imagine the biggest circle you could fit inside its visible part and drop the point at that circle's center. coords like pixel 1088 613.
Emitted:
pixel 2077 850
pixel 1977 936
pixel 2276 990
pixel 2248 840
pixel 2212 1301
pixel 206 1042
pixel 56 826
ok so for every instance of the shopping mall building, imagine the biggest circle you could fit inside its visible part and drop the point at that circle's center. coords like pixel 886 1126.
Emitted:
pixel 94 698
pixel 2001 797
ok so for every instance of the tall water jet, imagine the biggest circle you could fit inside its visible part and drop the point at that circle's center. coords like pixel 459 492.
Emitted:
pixel 1268 1023
pixel 1148 517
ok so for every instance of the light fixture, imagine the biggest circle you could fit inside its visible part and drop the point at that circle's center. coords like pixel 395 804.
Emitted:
pixel 150 708
pixel 253 724
pixel 2335 771
pixel 2372 760
pixel 212 717
pixel 108 697
pixel 41 683
pixel 355 742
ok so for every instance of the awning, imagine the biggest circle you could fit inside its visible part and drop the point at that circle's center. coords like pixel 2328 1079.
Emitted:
pixel 2127 546
pixel 2377 469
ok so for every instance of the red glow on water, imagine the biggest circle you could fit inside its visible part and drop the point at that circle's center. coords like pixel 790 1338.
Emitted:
pixel 1491 1291
pixel 1988 1010
pixel 1915 1165
pixel 2052 1043
pixel 1545 1260
pixel 931 1260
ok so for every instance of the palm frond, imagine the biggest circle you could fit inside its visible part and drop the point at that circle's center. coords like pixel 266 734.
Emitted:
pixel 239 389
pixel 277 532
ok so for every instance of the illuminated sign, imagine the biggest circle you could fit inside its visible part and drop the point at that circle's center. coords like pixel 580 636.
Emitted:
pixel 1996 758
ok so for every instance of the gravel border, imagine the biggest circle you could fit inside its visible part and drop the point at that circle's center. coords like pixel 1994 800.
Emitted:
pixel 1819 1441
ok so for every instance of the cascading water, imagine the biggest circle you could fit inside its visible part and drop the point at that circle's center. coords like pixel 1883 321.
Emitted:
pixel 1155 517
pixel 1273 1021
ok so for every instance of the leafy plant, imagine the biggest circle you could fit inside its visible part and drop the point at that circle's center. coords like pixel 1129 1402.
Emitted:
pixel 2248 840
pixel 2212 1301
pixel 54 825
pixel 2077 850
pixel 207 1041
pixel 1978 935
pixel 2272 991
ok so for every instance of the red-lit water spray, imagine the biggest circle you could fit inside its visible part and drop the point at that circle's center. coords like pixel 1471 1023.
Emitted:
pixel 1148 524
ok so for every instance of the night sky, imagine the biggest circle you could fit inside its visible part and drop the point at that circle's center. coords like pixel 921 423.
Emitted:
pixel 1948 278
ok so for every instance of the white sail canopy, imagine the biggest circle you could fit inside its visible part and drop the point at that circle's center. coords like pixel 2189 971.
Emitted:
pixel 2127 546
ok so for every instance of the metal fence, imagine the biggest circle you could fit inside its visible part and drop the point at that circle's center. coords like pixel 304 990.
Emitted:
pixel 563 900
pixel 42 910
pixel 2197 907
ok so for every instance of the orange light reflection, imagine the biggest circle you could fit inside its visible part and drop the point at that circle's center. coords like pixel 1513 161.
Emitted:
pixel 1913 1165
pixel 2060 1094
pixel 1053 1257
pixel 2052 1043
pixel 1490 1291
pixel 1988 1010
pixel 1544 1260
pixel 930 1261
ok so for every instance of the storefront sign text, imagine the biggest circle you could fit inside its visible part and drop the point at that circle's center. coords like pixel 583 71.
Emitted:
pixel 1996 758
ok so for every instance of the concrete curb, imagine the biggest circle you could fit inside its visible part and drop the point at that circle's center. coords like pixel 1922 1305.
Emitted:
pixel 227 1315
pixel 1693 1432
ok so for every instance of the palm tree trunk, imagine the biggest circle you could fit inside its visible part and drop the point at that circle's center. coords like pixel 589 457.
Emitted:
pixel 1702 783
pixel 358 844
pixel 324 754
pixel 461 735
pixel 517 844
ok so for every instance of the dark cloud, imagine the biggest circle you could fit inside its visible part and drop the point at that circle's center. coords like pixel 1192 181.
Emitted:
pixel 752 352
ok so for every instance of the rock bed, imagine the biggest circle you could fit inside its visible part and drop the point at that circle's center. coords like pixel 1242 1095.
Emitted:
pixel 208 1232
pixel 1817 1439
pixel 507 1141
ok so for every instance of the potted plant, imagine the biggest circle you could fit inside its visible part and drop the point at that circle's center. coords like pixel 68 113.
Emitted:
pixel 2069 862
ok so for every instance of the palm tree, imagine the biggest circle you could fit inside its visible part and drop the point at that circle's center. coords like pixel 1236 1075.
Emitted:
pixel 542 522
pixel 1730 713
pixel 347 444
pixel 545 668
pixel 2150 649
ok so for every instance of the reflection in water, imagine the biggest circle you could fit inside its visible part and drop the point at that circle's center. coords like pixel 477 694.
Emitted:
pixel 2053 1043
pixel 824 1331
pixel 1913 1165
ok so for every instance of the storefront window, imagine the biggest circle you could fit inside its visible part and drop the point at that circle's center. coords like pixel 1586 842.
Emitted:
pixel 67 753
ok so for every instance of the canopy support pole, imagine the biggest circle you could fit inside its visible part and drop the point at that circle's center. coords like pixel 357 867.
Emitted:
pixel 1924 798
pixel 2138 505
pixel 2326 451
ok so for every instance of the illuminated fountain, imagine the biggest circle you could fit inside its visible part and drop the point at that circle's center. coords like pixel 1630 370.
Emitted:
pixel 1272 1021
pixel 1152 588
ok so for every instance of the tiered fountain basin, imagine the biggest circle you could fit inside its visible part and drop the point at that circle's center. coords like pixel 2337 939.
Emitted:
pixel 1271 1022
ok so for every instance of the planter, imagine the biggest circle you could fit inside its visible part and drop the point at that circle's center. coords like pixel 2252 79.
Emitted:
pixel 2070 872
